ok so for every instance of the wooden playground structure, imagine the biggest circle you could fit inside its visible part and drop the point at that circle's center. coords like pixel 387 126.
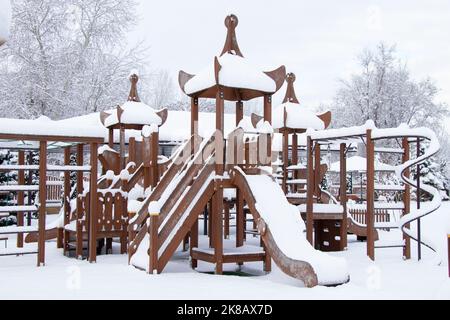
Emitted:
pixel 152 205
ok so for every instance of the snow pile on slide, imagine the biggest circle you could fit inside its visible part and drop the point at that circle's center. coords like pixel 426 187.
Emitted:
pixel 288 230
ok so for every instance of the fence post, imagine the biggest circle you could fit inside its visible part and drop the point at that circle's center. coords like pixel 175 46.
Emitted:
pixel 153 247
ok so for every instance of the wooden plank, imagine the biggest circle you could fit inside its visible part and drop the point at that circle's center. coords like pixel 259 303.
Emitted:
pixel 343 195
pixel 20 198
pixel 93 209
pixel 406 198
pixel 310 193
pixel 47 138
pixel 42 201
pixel 370 196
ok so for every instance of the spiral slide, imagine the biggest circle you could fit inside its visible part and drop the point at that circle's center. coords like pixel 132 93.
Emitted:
pixel 428 207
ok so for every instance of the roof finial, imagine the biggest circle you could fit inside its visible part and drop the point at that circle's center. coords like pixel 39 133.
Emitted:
pixel 231 45
pixel 290 92
pixel 133 96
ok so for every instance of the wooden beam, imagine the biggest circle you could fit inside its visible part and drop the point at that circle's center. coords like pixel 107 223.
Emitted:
pixel 46 138
pixel 285 160
pixel 93 204
pixel 343 195
pixel 310 192
pixel 295 159
pixel 239 112
pixel 42 202
pixel 370 197
pixel 154 159
pixel 194 116
pixel 406 198
pixel 67 189
pixel 21 197
pixel 268 108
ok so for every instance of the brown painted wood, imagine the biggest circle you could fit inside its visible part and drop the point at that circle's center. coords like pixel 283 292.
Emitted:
pixel 42 201
pixel 310 192
pixel 154 159
pixel 154 247
pixel 20 197
pixel 370 197
pixel 285 161
pixel 406 197
pixel 239 112
pixel 268 108
pixel 343 193
pixel 67 190
pixel 93 205
pixel 290 91
pixel 194 116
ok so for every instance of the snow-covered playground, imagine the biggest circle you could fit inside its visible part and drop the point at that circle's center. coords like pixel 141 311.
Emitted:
pixel 110 192
pixel 390 277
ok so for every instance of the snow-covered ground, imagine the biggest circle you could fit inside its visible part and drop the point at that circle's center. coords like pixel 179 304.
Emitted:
pixel 111 278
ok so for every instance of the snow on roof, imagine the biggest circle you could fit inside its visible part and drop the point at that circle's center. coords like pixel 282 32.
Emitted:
pixel 176 129
pixel 134 113
pixel 298 117
pixel 5 20
pixel 46 127
pixel 359 164
pixel 236 72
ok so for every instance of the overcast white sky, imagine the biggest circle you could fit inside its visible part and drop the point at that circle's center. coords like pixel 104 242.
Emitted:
pixel 318 40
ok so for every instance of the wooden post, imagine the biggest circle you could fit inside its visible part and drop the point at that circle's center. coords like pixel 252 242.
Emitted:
pixel 63 237
pixel 239 112
pixel 370 196
pixel 29 182
pixel 153 248
pixel 218 195
pixel 21 198
pixel 343 195
pixel 268 108
pixel 194 116
pixel 317 171
pixel 406 198
pixel 93 207
pixel 419 199
pixel 132 153
pixel 80 190
pixel 295 159
pixel 240 219
pixel 154 158
pixel 285 159
pixel 194 242
pixel 310 193
pixel 122 147
pixel 111 138
pixel 42 201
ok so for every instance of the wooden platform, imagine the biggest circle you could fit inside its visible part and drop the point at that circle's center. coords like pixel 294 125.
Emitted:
pixel 234 255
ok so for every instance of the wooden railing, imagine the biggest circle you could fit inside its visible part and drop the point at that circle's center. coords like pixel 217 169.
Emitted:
pixel 359 215
pixel 135 231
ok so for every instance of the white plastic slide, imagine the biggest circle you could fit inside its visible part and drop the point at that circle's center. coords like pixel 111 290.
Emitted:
pixel 283 232
pixel 429 207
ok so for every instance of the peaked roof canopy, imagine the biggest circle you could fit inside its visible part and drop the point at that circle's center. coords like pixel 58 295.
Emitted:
pixel 239 79
pixel 296 118
pixel 133 114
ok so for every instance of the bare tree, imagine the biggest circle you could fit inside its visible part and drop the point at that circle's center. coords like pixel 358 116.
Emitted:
pixel 67 57
pixel 385 92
